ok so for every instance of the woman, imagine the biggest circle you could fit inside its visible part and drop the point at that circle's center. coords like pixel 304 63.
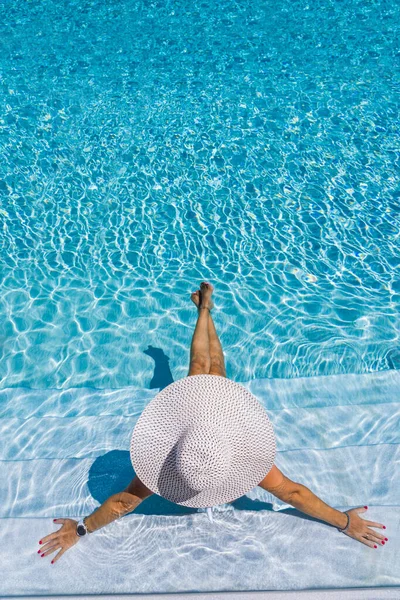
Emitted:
pixel 206 358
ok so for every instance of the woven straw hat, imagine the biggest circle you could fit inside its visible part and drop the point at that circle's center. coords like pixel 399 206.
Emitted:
pixel 203 440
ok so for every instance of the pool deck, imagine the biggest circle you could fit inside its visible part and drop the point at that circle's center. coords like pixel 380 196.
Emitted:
pixel 388 593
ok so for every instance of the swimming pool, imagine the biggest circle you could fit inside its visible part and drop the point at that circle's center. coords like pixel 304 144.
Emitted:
pixel 146 147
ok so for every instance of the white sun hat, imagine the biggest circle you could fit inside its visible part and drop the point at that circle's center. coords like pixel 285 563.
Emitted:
pixel 203 440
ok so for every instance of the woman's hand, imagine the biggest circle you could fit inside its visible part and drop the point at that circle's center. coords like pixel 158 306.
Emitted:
pixel 64 538
pixel 360 529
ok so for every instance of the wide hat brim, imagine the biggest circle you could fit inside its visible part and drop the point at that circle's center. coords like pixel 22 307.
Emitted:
pixel 202 401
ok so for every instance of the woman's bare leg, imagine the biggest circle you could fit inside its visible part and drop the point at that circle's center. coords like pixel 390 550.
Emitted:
pixel 217 363
pixel 200 361
pixel 216 354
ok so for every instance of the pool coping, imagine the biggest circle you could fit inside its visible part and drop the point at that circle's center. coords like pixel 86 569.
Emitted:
pixel 371 593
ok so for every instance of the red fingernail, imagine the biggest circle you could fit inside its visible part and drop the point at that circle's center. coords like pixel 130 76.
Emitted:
pixel 52 561
pixel 386 539
pixel 40 542
pixel 375 546
pixel 384 527
pixel 42 555
pixel 365 506
pixel 38 551
pixel 383 542
pixel 54 520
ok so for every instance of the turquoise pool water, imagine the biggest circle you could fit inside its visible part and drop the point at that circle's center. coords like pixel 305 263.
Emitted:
pixel 145 147
pixel 148 146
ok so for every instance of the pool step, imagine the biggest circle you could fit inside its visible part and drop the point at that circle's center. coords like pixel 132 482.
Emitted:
pixel 347 476
pixel 240 550
pixel 54 437
pixel 275 394
pixel 63 452
pixel 382 593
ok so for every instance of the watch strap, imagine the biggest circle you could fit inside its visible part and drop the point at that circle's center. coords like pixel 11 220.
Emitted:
pixel 85 524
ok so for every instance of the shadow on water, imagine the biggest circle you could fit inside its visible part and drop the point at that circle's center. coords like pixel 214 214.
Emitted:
pixel 112 472
pixel 162 375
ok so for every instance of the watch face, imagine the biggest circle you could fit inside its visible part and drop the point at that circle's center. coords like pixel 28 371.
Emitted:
pixel 81 530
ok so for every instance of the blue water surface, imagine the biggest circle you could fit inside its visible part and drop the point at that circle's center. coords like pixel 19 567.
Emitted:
pixel 146 146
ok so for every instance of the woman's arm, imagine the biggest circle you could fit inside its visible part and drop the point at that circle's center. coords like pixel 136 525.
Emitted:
pixel 114 507
pixel 301 498
pixel 306 501
pixel 118 505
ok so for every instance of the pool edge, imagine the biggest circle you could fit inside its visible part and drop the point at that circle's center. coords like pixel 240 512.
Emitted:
pixel 378 593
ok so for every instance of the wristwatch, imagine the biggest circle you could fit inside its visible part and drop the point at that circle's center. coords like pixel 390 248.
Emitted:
pixel 81 528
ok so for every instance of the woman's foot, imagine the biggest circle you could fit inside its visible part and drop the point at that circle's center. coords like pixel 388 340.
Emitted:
pixel 196 298
pixel 202 297
pixel 206 289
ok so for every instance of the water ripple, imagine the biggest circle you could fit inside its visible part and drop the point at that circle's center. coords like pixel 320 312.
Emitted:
pixel 140 156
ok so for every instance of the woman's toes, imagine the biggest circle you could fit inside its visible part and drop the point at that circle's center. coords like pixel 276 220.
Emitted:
pixel 206 287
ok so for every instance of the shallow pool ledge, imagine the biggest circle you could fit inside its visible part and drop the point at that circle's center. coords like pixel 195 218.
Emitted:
pixel 387 593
